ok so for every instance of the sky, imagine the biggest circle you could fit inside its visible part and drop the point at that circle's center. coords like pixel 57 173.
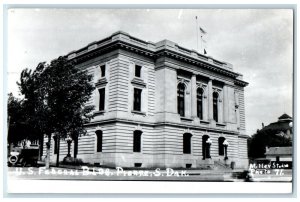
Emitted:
pixel 257 42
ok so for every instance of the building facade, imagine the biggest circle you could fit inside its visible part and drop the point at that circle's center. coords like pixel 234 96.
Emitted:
pixel 160 105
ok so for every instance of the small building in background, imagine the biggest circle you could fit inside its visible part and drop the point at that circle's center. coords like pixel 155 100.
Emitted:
pixel 279 154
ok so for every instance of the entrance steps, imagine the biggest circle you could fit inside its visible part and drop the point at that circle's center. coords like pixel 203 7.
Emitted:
pixel 219 165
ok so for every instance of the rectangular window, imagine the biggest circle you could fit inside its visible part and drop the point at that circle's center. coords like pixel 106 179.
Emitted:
pixel 99 140
pixel 180 99
pixel 137 99
pixel 199 103
pixel 102 70
pixel 221 146
pixel 101 99
pixel 137 141
pixel 215 107
pixel 138 70
pixel 187 143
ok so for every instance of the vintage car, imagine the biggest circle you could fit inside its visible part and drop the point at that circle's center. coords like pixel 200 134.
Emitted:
pixel 24 156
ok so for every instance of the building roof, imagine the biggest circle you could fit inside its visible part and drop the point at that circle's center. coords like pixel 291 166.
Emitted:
pixel 122 40
pixel 277 126
pixel 273 151
pixel 285 117
pixel 282 124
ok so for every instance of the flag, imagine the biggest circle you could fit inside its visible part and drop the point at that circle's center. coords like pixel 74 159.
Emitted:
pixel 205 52
pixel 202 31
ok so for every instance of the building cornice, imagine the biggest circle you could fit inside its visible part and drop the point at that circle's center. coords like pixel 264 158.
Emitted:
pixel 243 136
pixel 205 65
pixel 157 124
pixel 165 48
pixel 240 83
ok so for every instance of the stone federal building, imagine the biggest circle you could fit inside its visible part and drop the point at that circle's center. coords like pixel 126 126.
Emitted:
pixel 159 105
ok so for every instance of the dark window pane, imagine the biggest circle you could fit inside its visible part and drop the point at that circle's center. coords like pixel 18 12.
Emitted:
pixel 102 70
pixel 137 141
pixel 138 70
pixel 137 99
pixel 204 146
pixel 187 143
pixel 180 99
pixel 99 140
pixel 200 103
pixel 101 99
pixel 215 106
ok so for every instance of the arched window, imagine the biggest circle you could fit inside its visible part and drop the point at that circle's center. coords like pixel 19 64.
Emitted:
pixel 180 99
pixel 215 106
pixel 200 103
pixel 99 140
pixel 137 141
pixel 205 153
pixel 187 143
pixel 221 146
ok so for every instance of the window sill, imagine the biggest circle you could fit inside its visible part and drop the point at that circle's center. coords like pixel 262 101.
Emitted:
pixel 204 122
pixel 220 124
pixel 186 119
pixel 99 112
pixel 138 112
pixel 101 81
pixel 138 81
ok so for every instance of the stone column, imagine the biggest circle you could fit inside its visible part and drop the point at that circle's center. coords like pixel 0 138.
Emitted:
pixel 210 100
pixel 205 106
pixel 237 109
pixel 221 107
pixel 187 101
pixel 194 96
pixel 225 103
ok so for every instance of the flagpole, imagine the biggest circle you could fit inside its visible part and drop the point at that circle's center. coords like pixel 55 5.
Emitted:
pixel 203 32
pixel 197 33
pixel 202 45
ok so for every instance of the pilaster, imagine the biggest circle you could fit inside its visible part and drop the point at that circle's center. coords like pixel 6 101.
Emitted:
pixel 225 103
pixel 210 100
pixel 194 96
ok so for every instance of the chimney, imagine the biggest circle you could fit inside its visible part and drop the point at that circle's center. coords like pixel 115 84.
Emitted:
pixel 262 124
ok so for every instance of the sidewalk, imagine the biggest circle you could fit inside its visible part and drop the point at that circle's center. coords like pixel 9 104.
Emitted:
pixel 188 174
pixel 91 172
pixel 163 170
